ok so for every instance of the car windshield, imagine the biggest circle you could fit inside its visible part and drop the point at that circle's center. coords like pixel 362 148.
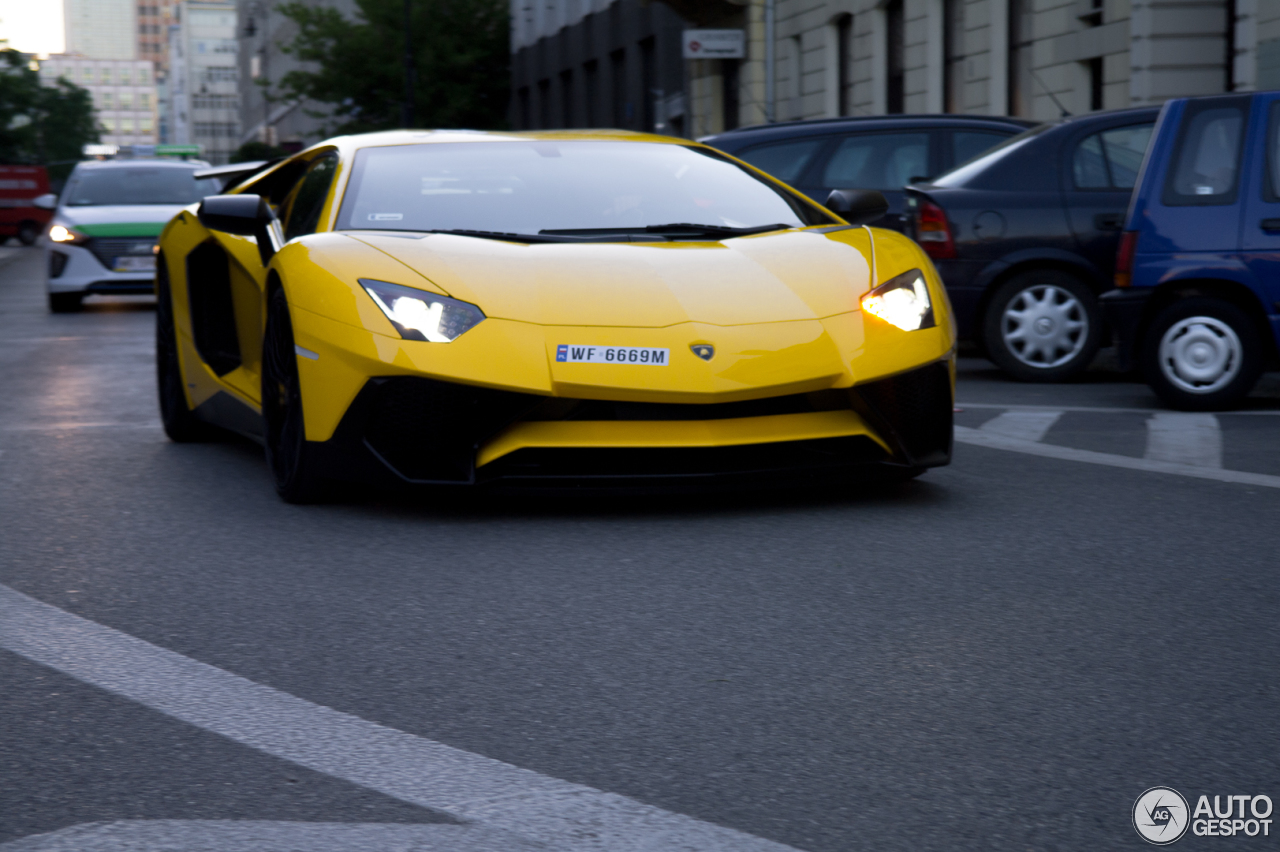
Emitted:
pixel 137 185
pixel 530 187
pixel 965 172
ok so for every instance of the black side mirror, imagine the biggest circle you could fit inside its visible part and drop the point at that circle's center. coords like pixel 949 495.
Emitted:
pixel 246 216
pixel 858 206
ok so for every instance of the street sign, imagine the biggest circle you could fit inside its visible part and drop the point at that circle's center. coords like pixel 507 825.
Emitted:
pixel 162 150
pixel 715 44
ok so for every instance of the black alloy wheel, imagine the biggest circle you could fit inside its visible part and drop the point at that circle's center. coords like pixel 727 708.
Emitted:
pixel 291 461
pixel 1202 354
pixel 180 423
pixel 65 303
pixel 1042 325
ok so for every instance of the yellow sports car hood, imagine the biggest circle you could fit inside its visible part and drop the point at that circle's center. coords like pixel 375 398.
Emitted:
pixel 791 275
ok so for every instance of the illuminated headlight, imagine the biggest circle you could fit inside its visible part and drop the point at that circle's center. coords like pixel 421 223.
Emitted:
pixel 419 315
pixel 902 301
pixel 63 234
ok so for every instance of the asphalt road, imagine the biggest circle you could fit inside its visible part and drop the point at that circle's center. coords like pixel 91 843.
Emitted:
pixel 1001 655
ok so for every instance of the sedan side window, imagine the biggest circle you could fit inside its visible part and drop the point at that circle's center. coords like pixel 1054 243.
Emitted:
pixel 304 213
pixel 1111 159
pixel 784 160
pixel 878 161
pixel 967 144
pixel 1125 147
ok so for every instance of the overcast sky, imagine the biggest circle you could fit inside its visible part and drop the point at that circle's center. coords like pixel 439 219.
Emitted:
pixel 32 26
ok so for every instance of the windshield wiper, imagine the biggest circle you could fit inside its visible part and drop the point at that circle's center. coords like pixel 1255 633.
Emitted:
pixel 674 230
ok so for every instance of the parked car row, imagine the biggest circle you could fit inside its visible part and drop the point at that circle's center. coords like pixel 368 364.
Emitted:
pixel 1047 249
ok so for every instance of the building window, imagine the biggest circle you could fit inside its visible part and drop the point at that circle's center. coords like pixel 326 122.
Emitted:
pixel 648 87
pixel 544 104
pixel 618 84
pixel 144 100
pixel 953 55
pixel 109 124
pixel 566 99
pixel 1094 67
pixel 895 77
pixel 1020 40
pixel 125 100
pixel 145 124
pixel 844 59
pixel 126 125
pixel 591 81
pixel 730 79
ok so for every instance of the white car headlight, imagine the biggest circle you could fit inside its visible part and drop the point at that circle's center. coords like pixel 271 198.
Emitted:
pixel 902 301
pixel 419 315
pixel 60 233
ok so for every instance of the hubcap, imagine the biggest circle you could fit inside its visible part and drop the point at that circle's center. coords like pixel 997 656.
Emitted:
pixel 1045 326
pixel 1200 354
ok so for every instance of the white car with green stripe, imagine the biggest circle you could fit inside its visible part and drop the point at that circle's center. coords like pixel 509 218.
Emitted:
pixel 103 233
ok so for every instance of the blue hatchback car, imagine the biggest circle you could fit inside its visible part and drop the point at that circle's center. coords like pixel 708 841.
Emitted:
pixel 1197 298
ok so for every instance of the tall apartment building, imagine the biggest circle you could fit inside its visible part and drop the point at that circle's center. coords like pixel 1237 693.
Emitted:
pixel 203 98
pixel 123 91
pixel 263 30
pixel 152 33
pixel 101 29
pixel 1029 58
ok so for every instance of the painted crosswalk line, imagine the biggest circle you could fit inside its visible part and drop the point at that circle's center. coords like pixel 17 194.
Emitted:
pixel 979 438
pixel 1026 425
pixel 1185 438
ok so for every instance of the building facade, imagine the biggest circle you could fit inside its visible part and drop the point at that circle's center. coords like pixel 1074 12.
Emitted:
pixel 203 93
pixel 264 118
pixel 1029 58
pixel 597 63
pixel 123 91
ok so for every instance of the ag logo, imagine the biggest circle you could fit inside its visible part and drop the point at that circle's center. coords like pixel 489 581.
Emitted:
pixel 705 351
pixel 1160 815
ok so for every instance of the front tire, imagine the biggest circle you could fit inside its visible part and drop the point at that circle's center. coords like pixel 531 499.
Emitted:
pixel 289 456
pixel 1202 354
pixel 65 303
pixel 1043 326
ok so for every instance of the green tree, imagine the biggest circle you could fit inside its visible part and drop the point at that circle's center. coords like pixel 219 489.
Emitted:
pixel 41 124
pixel 460 57
pixel 251 151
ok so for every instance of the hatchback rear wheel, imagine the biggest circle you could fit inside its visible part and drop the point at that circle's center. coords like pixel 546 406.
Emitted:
pixel 1202 354
pixel 1043 326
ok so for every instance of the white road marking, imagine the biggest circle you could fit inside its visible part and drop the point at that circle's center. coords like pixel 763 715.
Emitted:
pixel 1175 436
pixel 1005 406
pixel 1025 425
pixel 471 787
pixel 979 438
pixel 168 835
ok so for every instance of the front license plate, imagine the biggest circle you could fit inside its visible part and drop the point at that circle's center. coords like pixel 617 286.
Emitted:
pixel 135 264
pixel 613 355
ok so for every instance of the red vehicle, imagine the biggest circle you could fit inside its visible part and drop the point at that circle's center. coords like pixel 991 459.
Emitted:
pixel 19 217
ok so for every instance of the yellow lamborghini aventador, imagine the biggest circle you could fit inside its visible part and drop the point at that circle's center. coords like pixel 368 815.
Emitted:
pixel 576 307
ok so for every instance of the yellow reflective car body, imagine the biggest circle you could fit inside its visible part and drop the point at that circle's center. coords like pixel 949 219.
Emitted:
pixel 328 328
